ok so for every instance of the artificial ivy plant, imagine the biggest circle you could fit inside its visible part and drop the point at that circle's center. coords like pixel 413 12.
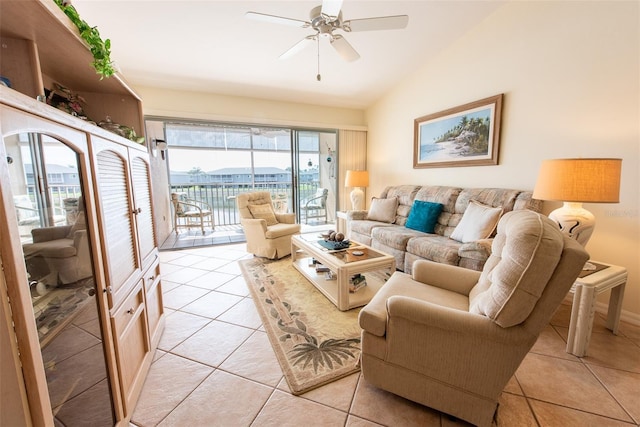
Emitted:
pixel 101 49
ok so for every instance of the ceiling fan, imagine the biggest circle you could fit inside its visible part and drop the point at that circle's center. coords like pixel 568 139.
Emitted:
pixel 327 18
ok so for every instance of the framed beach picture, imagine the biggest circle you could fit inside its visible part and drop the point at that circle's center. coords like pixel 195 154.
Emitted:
pixel 468 135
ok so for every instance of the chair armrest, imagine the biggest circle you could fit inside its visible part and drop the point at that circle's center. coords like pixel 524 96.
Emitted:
pixel 286 218
pixel 196 205
pixel 454 322
pixel 46 234
pixel 200 204
pixel 253 224
pixel 311 200
pixel 81 241
pixel 456 279
pixel 357 215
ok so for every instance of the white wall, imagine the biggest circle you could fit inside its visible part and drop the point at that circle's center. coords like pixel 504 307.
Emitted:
pixel 207 106
pixel 570 74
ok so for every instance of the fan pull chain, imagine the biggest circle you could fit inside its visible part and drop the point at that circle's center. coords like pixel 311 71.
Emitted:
pixel 318 77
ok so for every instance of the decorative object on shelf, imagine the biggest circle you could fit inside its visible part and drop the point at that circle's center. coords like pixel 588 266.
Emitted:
pixel 357 179
pixel 161 146
pixel 66 100
pixel 122 130
pixel 468 135
pixel 100 49
pixel 577 181
pixel 4 81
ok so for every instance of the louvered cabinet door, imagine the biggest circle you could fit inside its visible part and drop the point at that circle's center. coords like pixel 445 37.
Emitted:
pixel 140 178
pixel 116 211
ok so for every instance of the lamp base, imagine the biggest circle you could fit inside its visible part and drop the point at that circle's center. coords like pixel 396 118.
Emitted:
pixel 357 199
pixel 574 221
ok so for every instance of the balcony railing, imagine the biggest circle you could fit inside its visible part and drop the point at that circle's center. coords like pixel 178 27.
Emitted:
pixel 222 196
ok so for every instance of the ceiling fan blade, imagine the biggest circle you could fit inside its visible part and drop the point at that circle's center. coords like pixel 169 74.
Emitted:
pixel 331 8
pixel 381 23
pixel 344 49
pixel 277 19
pixel 298 47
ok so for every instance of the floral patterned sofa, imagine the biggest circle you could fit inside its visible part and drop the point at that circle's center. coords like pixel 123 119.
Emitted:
pixel 452 237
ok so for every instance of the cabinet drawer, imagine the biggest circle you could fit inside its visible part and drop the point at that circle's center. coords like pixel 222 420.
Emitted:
pixel 129 324
pixel 152 276
pixel 155 310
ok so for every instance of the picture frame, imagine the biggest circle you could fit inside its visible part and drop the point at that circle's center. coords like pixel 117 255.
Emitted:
pixel 467 135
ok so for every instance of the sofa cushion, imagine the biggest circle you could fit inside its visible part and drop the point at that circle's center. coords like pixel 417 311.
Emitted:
pixel 395 237
pixel 447 196
pixel 405 195
pixel 524 254
pixel 435 248
pixel 383 210
pixel 423 216
pixel 264 211
pixel 478 222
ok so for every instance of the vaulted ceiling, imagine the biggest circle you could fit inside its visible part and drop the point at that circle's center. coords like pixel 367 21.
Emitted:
pixel 211 46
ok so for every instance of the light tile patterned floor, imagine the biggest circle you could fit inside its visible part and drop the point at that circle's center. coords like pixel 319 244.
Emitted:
pixel 211 368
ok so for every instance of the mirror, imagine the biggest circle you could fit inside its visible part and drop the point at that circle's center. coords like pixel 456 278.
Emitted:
pixel 47 187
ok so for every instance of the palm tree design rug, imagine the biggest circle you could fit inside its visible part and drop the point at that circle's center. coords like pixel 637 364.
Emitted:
pixel 314 342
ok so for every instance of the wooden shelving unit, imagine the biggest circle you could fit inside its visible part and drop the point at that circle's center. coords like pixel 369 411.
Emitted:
pixel 39 45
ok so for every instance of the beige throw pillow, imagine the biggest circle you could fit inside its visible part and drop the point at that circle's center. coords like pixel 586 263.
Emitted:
pixel 263 212
pixel 478 222
pixel 383 210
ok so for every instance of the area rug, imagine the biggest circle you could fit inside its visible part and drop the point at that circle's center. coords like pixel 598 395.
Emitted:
pixel 314 342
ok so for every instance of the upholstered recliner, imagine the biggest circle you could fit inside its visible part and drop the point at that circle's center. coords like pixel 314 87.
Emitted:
pixel 451 338
pixel 65 250
pixel 268 233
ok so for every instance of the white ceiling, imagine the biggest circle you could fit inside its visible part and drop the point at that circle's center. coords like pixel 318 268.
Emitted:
pixel 210 46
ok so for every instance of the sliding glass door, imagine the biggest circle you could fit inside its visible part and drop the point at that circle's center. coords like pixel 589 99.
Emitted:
pixel 213 162
pixel 316 167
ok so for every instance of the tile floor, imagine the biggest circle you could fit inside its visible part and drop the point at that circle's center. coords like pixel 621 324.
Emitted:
pixel 207 371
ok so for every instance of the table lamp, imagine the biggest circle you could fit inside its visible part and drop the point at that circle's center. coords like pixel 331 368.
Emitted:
pixel 357 179
pixel 577 181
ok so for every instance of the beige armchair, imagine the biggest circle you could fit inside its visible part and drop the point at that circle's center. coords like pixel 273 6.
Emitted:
pixel 268 233
pixel 65 250
pixel 451 338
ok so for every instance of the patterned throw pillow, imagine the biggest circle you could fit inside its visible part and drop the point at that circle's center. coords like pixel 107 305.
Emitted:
pixel 478 222
pixel 383 210
pixel 265 212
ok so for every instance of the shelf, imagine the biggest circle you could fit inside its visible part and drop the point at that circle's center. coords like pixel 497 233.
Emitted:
pixel 329 288
pixel 40 45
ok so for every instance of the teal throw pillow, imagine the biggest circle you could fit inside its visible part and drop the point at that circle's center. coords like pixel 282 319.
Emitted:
pixel 423 216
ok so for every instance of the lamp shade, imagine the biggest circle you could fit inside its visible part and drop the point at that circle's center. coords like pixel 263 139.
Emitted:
pixel 579 180
pixel 356 179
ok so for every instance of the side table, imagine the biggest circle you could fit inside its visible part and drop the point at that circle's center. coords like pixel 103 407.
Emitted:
pixel 341 223
pixel 585 291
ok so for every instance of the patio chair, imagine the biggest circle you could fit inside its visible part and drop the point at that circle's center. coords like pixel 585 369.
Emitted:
pixel 190 213
pixel 315 206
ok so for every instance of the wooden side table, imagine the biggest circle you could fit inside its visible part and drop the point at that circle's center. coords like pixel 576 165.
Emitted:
pixel 585 291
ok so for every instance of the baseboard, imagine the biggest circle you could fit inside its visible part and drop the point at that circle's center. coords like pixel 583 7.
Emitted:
pixel 625 316
pixel 601 307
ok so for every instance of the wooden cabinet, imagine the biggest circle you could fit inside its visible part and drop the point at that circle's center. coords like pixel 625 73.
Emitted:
pixel 39 46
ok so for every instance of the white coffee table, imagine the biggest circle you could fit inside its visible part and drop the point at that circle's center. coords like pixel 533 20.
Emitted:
pixel 376 266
